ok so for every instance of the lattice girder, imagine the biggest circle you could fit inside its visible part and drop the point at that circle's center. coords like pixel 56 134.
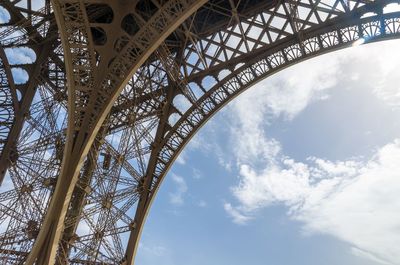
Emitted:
pixel 31 152
pixel 236 74
pixel 85 206
pixel 339 33
pixel 208 60
pixel 8 105
pixel 95 78
pixel 34 38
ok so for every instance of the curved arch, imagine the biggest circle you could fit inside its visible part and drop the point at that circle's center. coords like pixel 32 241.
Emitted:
pixel 235 60
pixel 254 71
pixel 28 195
pixel 96 75
pixel 315 41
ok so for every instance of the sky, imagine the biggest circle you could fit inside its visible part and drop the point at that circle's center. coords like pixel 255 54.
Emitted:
pixel 303 168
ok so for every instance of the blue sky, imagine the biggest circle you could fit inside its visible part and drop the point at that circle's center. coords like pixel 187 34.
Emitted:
pixel 300 169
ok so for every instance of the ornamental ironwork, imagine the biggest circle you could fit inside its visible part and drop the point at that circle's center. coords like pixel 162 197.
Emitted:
pixel 98 98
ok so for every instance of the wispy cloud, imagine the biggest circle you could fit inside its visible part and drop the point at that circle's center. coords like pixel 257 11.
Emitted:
pixel 380 65
pixel 236 214
pixel 153 250
pixel 282 96
pixel 288 93
pixel 355 200
pixel 177 197
pixel 363 254
pixel 340 199
pixel 181 159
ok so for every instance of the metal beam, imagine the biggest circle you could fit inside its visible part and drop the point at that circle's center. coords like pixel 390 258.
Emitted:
pixel 218 43
pixel 87 114
pixel 255 67
pixel 27 91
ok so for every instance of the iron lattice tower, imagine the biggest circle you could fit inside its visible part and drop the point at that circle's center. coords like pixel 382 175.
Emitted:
pixel 113 92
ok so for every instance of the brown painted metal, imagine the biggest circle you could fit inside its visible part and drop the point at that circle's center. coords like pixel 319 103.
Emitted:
pixel 103 122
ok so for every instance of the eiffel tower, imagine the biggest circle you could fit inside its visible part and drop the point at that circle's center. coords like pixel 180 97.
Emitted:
pixel 98 98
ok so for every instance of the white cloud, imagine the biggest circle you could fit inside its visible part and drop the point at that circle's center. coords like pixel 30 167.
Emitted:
pixel 289 92
pixel 353 200
pixel 361 253
pixel 274 184
pixel 181 159
pixel 177 197
pixel 363 210
pixel 284 95
pixel 237 216
pixel 22 55
pixel 381 66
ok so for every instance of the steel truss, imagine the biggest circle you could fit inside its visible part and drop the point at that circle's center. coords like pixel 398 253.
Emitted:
pixel 115 92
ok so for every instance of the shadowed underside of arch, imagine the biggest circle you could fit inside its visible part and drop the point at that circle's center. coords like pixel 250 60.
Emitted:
pixel 115 94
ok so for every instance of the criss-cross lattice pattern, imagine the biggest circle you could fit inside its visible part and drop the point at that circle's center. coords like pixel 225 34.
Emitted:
pixel 125 86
